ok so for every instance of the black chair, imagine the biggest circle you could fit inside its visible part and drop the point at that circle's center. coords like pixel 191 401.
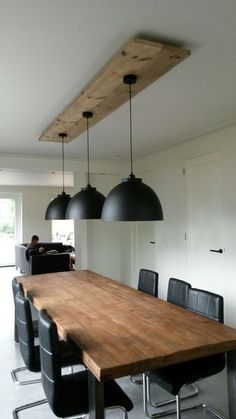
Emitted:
pixel 178 292
pixel 174 377
pixel 17 287
pixel 148 282
pixel 30 351
pixel 67 395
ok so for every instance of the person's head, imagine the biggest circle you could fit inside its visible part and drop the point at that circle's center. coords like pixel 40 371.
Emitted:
pixel 34 240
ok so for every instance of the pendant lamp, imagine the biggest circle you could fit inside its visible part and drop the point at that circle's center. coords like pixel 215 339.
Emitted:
pixel 132 200
pixel 86 204
pixel 56 210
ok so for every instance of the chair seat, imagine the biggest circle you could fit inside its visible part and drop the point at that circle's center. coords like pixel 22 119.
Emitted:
pixel 74 395
pixel 173 377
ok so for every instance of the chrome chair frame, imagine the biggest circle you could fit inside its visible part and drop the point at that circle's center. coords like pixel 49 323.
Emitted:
pixel 27 406
pixel 24 382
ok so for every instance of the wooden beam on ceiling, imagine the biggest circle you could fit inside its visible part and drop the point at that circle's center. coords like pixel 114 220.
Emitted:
pixel 148 60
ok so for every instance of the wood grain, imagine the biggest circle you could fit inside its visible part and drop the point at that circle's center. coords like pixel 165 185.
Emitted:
pixel 148 60
pixel 120 330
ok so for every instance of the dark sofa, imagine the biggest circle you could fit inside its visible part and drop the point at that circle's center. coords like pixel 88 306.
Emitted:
pixel 43 263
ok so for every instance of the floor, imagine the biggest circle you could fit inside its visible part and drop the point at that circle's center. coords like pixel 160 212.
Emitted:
pixel 212 391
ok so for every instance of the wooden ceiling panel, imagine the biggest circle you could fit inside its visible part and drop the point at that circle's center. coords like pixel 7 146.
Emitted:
pixel 148 60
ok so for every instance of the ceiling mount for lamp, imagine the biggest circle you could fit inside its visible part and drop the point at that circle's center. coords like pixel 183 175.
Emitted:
pixel 132 200
pixel 86 204
pixel 56 210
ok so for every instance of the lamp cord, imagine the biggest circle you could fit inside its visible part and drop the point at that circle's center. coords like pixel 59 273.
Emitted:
pixel 130 132
pixel 62 145
pixel 88 150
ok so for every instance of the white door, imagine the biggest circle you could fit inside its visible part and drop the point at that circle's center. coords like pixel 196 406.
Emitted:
pixel 147 245
pixel 205 243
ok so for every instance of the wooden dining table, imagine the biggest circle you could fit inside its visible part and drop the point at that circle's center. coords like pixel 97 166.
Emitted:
pixel 121 331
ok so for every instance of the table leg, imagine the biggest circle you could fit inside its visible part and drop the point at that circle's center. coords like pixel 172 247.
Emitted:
pixel 96 398
pixel 231 375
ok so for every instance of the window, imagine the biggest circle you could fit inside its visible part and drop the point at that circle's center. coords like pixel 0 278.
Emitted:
pixel 63 231
pixel 10 226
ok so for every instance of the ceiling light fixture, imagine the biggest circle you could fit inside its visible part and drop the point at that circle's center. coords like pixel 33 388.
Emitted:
pixel 86 204
pixel 56 210
pixel 132 200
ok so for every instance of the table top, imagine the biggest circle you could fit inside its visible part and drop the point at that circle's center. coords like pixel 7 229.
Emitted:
pixel 120 330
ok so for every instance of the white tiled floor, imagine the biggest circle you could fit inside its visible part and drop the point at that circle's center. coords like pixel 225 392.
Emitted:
pixel 212 391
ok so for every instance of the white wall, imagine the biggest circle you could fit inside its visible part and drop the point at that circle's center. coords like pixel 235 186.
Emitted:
pixel 109 253
pixel 165 173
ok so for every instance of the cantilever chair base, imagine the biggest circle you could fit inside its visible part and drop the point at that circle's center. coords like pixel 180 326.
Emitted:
pixel 183 396
pixel 39 402
pixel 139 380
pixel 25 382
pixel 27 406
pixel 176 410
pixel 183 409
pixel 125 413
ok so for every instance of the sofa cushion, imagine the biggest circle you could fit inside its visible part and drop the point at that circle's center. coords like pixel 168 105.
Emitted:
pixel 51 246
pixel 58 262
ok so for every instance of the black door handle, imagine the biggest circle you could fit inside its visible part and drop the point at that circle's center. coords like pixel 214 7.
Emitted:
pixel 217 251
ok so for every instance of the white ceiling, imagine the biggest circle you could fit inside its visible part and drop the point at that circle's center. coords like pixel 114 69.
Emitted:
pixel 51 49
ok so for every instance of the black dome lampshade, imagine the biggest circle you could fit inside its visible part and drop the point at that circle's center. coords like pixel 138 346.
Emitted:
pixel 132 200
pixel 56 210
pixel 86 204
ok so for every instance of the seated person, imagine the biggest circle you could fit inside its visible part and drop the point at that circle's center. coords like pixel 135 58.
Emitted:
pixel 32 248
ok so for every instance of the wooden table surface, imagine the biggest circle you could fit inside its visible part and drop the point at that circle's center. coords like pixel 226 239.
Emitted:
pixel 120 330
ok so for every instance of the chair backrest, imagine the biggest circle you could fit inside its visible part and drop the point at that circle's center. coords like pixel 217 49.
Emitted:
pixel 25 330
pixel 178 292
pixel 16 287
pixel 148 282
pixel 206 303
pixel 49 359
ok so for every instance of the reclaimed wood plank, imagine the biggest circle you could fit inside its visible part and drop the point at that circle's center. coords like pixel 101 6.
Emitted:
pixel 148 60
